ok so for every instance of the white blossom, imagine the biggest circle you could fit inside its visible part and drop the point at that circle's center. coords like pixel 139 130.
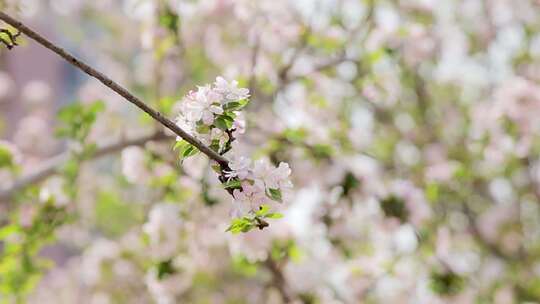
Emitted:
pixel 202 105
pixel 272 178
pixel 230 90
pixel 164 290
pixel 54 190
pixel 239 124
pixel 240 167
pixel 251 195
pixel 133 165
pixel 187 125
pixel 262 173
pixel 281 176
pixel 163 228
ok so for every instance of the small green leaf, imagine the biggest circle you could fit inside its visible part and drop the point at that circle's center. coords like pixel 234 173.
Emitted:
pixel 203 129
pixel 88 150
pixel 274 215
pixel 263 210
pixel 350 182
pixel 169 19
pixel 229 115
pixel 243 266
pixel 190 151
pixel 8 230
pixel 275 194
pixel 232 184
pixel 224 122
pixel 322 151
pixel 243 224
pixel 96 107
pixel 394 206
pixel 179 145
pixel 166 104
pixel 446 283
pixel 295 135
pixel 215 145
pixel 216 168
pixel 6 158
pixel 77 119
pixel 432 192
pixel 113 216
pixel 185 149
pixel 165 268
pixel 235 105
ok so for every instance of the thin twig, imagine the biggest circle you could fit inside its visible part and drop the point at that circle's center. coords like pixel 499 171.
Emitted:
pixel 283 73
pixel 490 246
pixel 278 280
pixel 115 87
pixel 341 56
pixel 53 165
pixel 321 67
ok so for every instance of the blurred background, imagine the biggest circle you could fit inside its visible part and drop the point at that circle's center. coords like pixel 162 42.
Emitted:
pixel 411 127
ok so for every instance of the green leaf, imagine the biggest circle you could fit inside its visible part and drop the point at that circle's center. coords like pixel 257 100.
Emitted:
pixel 9 230
pixel 6 159
pixel 274 215
pixel 328 44
pixel 376 55
pixel 224 122
pixel 263 210
pixel 243 266
pixel 295 135
pixel 275 194
pixel 203 129
pixel 232 184
pixel 165 268
pixel 350 182
pixel 394 206
pixel 284 249
pixel 70 169
pixel 190 151
pixel 180 144
pixel 113 216
pixel 185 149
pixel 88 150
pixel 169 19
pixel 243 224
pixel 166 104
pixel 77 119
pixel 432 192
pixel 235 105
pixel 321 151
pixel 216 168
pixel 215 145
pixel 96 107
pixel 446 283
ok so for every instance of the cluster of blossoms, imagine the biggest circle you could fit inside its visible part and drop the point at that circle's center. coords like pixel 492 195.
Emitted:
pixel 163 229
pixel 260 183
pixel 212 115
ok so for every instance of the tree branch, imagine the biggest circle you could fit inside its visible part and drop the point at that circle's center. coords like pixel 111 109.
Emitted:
pixel 115 87
pixel 52 165
pixel 278 280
